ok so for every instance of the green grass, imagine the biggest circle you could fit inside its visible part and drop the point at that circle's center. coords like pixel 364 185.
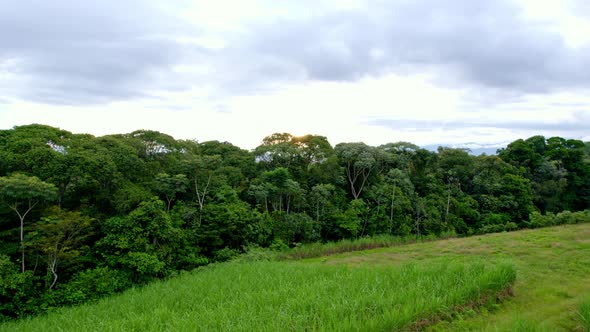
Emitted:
pixel 523 325
pixel 584 313
pixel 289 296
pixel 317 249
pixel 553 266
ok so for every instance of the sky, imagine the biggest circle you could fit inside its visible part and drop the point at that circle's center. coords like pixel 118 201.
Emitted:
pixel 449 72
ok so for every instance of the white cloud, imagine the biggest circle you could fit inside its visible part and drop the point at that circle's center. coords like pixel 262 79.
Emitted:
pixel 563 15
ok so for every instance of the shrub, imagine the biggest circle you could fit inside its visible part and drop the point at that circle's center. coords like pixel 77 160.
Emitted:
pixel 89 285
pixel 279 245
pixel 225 254
pixel 538 220
pixel 256 253
pixel 15 289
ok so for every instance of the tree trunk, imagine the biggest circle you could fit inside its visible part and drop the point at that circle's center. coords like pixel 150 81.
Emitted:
pixel 169 201
pixel 391 211
pixel 53 269
pixel 317 211
pixel 22 242
pixel 448 203
pixel 201 195
pixel 288 203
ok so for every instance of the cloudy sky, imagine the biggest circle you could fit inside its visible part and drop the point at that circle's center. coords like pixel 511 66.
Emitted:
pixel 377 71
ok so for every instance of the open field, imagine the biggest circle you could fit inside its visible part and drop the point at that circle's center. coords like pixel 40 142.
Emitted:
pixel 553 268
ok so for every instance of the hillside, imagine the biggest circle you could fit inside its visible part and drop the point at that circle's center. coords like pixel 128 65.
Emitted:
pixel 362 290
pixel 553 265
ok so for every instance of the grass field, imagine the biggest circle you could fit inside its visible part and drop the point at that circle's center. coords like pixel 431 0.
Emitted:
pixel 289 296
pixel 553 267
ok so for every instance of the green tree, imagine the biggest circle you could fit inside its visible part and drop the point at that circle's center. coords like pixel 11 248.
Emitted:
pixel 359 162
pixel 399 192
pixel 60 237
pixel 277 150
pixel 205 175
pixel 550 185
pixel 320 196
pixel 351 222
pixel 139 244
pixel 170 186
pixel 227 222
pixel 279 189
pixel 516 198
pixel 457 166
pixel 21 193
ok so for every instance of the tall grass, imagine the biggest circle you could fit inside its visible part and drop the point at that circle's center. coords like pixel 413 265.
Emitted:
pixel 584 315
pixel 287 296
pixel 378 241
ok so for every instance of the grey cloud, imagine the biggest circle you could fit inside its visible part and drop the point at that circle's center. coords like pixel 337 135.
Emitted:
pixel 485 43
pixel 78 52
pixel 577 124
pixel 73 52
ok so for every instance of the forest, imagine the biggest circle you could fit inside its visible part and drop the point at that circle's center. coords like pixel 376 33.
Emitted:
pixel 82 217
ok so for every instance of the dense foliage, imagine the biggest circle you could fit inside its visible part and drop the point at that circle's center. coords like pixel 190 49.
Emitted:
pixel 82 216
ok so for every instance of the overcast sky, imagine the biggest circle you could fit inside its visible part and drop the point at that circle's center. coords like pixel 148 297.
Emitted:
pixel 423 71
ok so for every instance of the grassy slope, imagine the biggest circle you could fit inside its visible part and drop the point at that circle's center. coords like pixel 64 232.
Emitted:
pixel 553 267
pixel 287 296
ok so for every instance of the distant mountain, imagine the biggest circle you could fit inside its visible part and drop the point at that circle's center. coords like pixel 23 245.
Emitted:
pixel 475 149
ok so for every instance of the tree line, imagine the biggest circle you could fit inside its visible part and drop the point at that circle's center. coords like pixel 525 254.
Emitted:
pixel 83 216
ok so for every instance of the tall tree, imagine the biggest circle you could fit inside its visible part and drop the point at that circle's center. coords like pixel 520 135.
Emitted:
pixel 60 237
pixel 170 186
pixel 359 162
pixel 22 193
pixel 319 197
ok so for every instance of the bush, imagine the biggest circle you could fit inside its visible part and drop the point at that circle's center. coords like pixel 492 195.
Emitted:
pixel 295 227
pixel 492 219
pixel 537 220
pixel 562 218
pixel 256 254
pixel 89 285
pixel 511 226
pixel 225 254
pixel 279 245
pixel 16 289
pixel 496 228
pixel 567 217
